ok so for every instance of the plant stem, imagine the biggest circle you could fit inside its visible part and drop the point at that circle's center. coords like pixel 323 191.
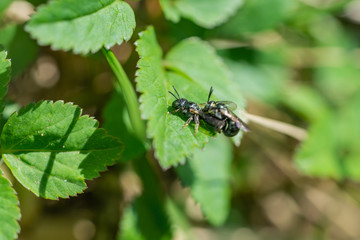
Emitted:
pixel 285 128
pixel 124 86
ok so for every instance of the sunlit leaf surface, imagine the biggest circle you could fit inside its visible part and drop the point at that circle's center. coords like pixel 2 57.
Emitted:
pixel 56 148
pixel 171 143
pixel 9 210
pixel 205 13
pixel 82 26
pixel 5 65
pixel 208 175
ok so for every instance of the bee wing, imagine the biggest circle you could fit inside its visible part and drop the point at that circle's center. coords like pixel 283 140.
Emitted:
pixel 240 124
pixel 231 105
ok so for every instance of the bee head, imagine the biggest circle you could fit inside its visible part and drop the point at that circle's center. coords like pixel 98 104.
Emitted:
pixel 179 103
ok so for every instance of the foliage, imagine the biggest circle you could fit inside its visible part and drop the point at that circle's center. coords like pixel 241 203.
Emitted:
pixel 203 12
pixel 82 29
pixel 164 128
pixel 9 209
pixel 295 61
pixel 118 124
pixel 256 17
pixel 14 39
pixel 56 149
pixel 5 65
pixel 3 5
pixel 208 174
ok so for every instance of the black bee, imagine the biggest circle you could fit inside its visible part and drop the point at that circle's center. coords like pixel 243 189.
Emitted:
pixel 227 126
pixel 188 108
pixel 222 110
pixel 215 114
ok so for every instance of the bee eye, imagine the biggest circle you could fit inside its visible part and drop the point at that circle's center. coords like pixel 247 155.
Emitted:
pixel 175 104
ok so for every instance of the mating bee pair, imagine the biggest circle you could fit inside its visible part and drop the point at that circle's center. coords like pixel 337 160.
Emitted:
pixel 217 114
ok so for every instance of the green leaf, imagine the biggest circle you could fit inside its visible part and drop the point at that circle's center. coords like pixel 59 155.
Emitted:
pixel 332 148
pixel 7 34
pixel 205 13
pixel 3 5
pixel 51 149
pixel 128 226
pixel 9 211
pixel 170 11
pixel 339 83
pixel 317 155
pixel 5 68
pixel 146 218
pixel 117 122
pixel 262 82
pixel 256 16
pixel 306 101
pixel 171 144
pixel 349 138
pixel 22 49
pixel 208 176
pixel 8 110
pixel 198 61
pixel 82 25
pixel 179 220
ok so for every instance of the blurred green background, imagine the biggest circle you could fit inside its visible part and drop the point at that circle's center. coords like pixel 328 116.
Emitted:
pixel 296 61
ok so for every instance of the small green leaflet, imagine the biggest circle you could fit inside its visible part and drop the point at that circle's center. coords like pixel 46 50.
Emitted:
pixel 264 82
pixel 9 210
pixel 256 16
pixel 317 154
pixel 146 218
pixel 207 174
pixel 199 62
pixel 3 5
pixel 128 229
pixel 82 25
pixel 171 143
pixel 5 67
pixel 205 13
pixel 192 67
pixel 332 148
pixel 15 40
pixel 51 149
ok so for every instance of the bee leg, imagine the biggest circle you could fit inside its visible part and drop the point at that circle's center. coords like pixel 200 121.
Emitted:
pixel 174 111
pixel 197 122
pixel 188 122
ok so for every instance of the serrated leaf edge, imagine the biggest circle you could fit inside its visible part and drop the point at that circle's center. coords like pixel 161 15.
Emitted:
pixel 227 15
pixel 17 199
pixel 196 143
pixel 119 153
pixel 71 47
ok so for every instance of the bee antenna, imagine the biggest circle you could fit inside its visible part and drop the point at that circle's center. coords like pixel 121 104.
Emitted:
pixel 211 91
pixel 176 92
pixel 173 94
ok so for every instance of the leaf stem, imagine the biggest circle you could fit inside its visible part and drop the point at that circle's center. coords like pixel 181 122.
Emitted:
pixel 285 128
pixel 124 86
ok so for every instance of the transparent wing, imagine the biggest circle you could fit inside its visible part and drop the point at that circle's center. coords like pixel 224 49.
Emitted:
pixel 231 105
pixel 240 124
